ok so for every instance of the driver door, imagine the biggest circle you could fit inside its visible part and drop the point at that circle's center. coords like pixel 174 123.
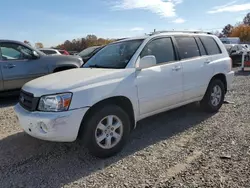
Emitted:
pixel 18 65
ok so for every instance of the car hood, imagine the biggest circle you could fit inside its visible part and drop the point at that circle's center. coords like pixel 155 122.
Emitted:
pixel 68 80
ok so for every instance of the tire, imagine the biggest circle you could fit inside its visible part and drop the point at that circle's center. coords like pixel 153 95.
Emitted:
pixel 91 131
pixel 208 102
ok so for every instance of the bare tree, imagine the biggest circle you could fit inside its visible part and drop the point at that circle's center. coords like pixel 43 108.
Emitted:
pixel 246 20
pixel 39 45
pixel 227 30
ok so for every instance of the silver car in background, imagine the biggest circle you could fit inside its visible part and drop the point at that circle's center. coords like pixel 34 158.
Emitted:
pixel 20 63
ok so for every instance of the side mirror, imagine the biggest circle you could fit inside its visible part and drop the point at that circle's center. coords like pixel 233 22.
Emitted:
pixel 35 55
pixel 146 61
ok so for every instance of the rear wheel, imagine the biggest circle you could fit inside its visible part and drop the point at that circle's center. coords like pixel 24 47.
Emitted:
pixel 106 131
pixel 214 97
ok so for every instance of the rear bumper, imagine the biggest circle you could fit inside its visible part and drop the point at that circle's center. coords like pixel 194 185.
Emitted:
pixel 229 77
pixel 51 126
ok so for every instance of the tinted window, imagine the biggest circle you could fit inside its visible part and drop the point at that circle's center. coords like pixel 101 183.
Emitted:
pixel 201 47
pixel 162 49
pixel 187 47
pixel 12 51
pixel 87 51
pixel 210 45
pixel 48 52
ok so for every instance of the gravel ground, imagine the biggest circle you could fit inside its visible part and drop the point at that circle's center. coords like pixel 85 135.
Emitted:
pixel 181 148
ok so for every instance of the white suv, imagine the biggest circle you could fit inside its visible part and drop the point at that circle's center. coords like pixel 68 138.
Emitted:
pixel 124 82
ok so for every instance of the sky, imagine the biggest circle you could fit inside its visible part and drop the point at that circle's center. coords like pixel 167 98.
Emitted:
pixel 52 21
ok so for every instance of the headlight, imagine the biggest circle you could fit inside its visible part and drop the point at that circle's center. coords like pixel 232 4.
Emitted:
pixel 55 103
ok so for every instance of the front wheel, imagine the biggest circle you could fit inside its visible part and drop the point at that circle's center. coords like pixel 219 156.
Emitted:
pixel 214 96
pixel 106 131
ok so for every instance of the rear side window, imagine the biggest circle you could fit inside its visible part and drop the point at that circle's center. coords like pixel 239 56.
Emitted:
pixel 210 45
pixel 187 47
pixel 201 47
pixel 48 52
pixel 162 49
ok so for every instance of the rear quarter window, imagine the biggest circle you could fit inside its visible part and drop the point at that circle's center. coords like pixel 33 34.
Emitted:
pixel 210 45
pixel 48 52
pixel 187 47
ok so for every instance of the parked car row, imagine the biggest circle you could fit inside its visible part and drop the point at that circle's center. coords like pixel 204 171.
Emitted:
pixel 124 82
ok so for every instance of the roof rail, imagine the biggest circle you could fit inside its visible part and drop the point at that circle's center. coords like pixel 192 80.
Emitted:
pixel 179 31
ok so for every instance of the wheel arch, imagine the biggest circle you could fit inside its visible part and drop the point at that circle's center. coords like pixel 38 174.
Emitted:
pixel 121 101
pixel 221 77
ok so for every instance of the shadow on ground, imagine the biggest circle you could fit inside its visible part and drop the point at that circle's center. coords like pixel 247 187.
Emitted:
pixel 8 101
pixel 29 162
pixel 242 73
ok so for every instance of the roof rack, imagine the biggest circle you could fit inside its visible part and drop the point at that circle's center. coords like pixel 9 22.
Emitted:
pixel 179 31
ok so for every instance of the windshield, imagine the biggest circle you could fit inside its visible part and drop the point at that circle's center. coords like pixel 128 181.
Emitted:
pixel 88 51
pixel 115 55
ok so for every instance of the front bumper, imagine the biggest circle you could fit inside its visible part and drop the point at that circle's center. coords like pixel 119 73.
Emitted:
pixel 229 77
pixel 51 126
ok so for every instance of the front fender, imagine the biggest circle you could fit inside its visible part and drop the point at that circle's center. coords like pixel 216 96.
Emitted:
pixel 89 95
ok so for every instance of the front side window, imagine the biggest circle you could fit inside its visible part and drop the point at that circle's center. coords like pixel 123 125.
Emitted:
pixel 116 55
pixel 162 49
pixel 187 47
pixel 210 45
pixel 12 51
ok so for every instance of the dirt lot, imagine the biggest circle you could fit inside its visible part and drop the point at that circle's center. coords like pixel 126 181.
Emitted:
pixel 181 148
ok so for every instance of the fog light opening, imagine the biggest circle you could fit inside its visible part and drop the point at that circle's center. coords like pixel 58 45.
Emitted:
pixel 43 127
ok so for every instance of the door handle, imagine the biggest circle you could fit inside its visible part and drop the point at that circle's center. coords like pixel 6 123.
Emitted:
pixel 207 62
pixel 176 68
pixel 9 66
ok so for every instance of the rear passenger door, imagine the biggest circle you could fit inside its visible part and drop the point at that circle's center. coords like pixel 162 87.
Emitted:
pixel 197 67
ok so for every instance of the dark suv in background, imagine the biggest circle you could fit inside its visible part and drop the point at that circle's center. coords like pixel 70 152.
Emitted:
pixel 87 53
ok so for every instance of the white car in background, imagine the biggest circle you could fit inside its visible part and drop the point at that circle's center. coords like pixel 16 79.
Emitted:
pixel 124 82
pixel 50 51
